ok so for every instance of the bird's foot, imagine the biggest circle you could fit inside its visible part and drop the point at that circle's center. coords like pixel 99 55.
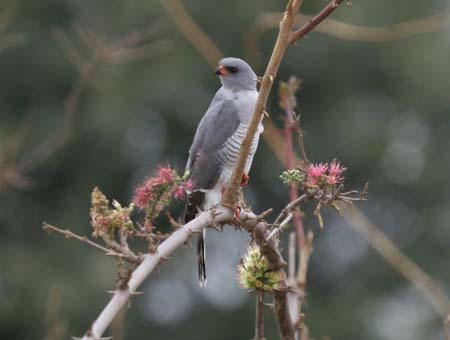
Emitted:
pixel 244 179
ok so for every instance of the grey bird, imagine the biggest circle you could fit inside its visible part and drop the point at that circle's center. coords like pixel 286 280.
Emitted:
pixel 217 141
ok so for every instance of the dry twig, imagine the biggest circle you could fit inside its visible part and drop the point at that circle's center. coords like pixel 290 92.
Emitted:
pixel 117 250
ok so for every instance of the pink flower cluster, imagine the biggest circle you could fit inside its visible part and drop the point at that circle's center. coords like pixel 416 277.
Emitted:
pixel 165 181
pixel 322 173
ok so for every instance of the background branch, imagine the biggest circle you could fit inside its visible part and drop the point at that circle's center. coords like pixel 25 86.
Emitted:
pixel 392 254
pixel 345 31
pixel 130 47
pixel 192 32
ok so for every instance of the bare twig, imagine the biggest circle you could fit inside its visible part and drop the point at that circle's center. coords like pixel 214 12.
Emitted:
pixel 259 320
pixel 117 252
pixel 277 230
pixel 316 20
pixel 290 207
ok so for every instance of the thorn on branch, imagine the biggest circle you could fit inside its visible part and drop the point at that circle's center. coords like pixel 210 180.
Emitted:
pixel 172 221
pixel 136 293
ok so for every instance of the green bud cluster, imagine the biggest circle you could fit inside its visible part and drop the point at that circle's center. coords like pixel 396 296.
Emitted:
pixel 254 272
pixel 293 176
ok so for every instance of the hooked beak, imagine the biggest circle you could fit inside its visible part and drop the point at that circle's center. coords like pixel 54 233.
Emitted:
pixel 221 71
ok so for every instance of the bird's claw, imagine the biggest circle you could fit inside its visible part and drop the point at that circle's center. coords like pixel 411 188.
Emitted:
pixel 237 211
pixel 244 179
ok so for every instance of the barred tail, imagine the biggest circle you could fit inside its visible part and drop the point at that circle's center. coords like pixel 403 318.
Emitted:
pixel 201 259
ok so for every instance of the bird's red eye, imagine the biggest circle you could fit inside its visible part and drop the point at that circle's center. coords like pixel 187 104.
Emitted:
pixel 232 69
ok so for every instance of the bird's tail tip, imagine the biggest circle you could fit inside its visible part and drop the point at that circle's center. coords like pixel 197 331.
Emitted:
pixel 201 260
pixel 202 282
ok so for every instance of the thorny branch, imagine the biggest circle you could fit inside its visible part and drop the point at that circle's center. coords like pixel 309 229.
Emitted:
pixel 247 220
pixel 149 264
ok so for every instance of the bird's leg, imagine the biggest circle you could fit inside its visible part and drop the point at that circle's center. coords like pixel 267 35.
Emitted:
pixel 241 202
pixel 244 179
pixel 237 208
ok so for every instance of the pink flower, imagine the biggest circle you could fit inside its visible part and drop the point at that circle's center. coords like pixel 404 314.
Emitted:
pixel 315 172
pixel 166 174
pixel 143 194
pixel 334 173
pixel 336 169
pixel 188 185
pixel 180 190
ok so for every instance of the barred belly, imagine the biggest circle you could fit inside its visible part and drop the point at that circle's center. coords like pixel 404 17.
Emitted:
pixel 230 152
pixel 228 157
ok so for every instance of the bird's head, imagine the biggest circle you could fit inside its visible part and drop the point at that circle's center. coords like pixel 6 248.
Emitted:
pixel 236 74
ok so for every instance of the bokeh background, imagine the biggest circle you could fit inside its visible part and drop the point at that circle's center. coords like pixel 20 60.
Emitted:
pixel 381 108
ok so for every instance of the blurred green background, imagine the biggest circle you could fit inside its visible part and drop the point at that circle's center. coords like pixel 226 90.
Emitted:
pixel 381 108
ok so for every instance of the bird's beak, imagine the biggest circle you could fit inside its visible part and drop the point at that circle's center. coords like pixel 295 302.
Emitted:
pixel 221 71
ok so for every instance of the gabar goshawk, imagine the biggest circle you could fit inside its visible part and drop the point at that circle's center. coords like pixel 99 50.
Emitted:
pixel 217 141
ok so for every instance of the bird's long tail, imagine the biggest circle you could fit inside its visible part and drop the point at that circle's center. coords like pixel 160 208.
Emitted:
pixel 194 201
pixel 201 259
